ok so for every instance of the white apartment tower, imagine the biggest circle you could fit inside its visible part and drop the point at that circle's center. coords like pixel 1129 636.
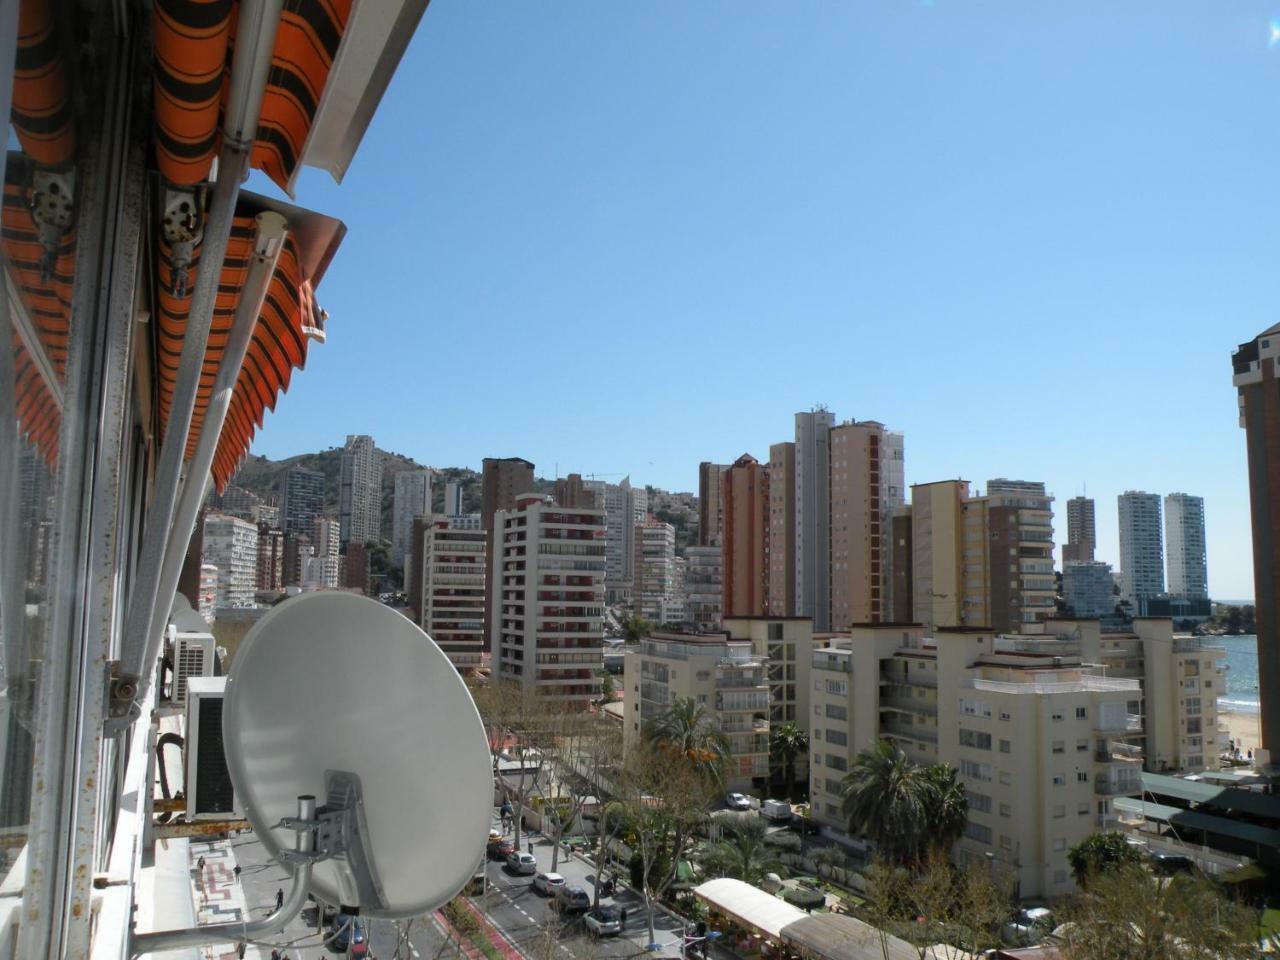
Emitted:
pixel 322 567
pixel 813 520
pixel 452 499
pixel 452 573
pixel 547 631
pixel 412 498
pixel 624 507
pixel 1141 548
pixel 654 567
pixel 1184 546
pixel 231 545
pixel 360 492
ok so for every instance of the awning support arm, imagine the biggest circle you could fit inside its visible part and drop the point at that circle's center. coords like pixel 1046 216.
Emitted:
pixel 255 42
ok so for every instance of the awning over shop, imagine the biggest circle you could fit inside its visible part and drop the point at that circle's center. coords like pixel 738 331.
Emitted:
pixel 828 936
pixel 750 906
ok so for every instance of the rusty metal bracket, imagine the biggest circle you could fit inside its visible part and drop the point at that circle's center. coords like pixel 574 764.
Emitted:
pixel 122 706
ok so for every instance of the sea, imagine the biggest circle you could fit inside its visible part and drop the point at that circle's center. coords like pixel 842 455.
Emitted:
pixel 1242 673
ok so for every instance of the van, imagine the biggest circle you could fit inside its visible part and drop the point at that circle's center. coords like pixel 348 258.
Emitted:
pixel 778 811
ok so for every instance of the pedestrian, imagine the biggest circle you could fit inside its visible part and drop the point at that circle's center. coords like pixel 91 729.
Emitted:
pixel 200 864
pixel 279 898
pixel 240 950
pixel 275 955
pixel 623 915
pixel 236 871
pixel 530 848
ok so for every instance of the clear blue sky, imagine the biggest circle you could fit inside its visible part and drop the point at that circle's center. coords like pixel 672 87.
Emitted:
pixel 629 237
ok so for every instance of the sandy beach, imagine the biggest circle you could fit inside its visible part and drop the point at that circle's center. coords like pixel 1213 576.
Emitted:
pixel 1245 730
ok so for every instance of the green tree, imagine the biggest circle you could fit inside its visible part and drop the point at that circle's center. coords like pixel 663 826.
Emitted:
pixel 948 807
pixel 786 743
pixel 746 856
pixel 1100 853
pixel 902 807
pixel 635 628
pixel 687 730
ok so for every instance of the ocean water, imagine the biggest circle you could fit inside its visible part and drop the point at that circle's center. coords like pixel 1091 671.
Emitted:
pixel 1242 673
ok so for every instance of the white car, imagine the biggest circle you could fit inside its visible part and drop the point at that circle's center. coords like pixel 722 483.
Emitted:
pixel 737 801
pixel 603 921
pixel 547 882
pixel 522 863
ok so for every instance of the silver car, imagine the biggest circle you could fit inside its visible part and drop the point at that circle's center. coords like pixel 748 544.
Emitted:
pixel 522 863
pixel 547 883
pixel 603 921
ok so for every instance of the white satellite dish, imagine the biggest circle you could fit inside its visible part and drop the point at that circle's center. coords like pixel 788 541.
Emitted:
pixel 339 696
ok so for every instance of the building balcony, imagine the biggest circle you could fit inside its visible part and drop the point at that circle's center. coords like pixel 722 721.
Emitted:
pixel 914 734
pixel 1132 724
pixel 922 707
pixel 923 678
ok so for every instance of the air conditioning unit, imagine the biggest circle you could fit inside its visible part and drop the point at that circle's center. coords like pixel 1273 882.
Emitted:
pixel 193 655
pixel 210 795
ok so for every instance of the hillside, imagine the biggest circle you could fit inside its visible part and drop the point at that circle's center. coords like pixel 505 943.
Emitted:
pixel 263 477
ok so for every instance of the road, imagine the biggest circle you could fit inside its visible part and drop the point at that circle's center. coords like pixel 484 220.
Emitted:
pixel 527 919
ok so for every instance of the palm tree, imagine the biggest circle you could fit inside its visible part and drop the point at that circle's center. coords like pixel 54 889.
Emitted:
pixel 688 730
pixel 788 742
pixel 948 807
pixel 888 798
pixel 746 857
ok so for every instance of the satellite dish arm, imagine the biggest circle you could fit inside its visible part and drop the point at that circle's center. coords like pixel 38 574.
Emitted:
pixel 161 940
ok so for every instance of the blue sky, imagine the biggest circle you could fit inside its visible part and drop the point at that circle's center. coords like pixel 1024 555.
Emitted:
pixel 626 238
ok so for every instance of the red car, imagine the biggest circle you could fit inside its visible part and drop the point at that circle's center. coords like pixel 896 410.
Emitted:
pixel 501 850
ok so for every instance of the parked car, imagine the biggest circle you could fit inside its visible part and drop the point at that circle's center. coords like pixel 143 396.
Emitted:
pixel 1030 926
pixel 778 811
pixel 571 899
pixel 737 801
pixel 501 850
pixel 547 882
pixel 1167 864
pixel 344 931
pixel 603 921
pixel 522 863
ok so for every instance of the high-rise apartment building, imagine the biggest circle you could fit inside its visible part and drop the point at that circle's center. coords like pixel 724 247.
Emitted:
pixel 654 566
pixel 501 481
pixel 573 491
pixel 547 633
pixel 1018 541
pixel 866 470
pixel 1087 588
pixel 813 520
pixel 703 587
pixel 781 601
pixel 270 558
pixel 450 586
pixel 354 568
pixel 710 518
pixel 723 675
pixel 1185 547
pixel 624 507
pixel 1082 535
pixel 1141 549
pixel 936 555
pixel 324 568
pixel 231 544
pixel 207 592
pixel 452 499
pixel 411 498
pixel 902 598
pixel 1253 368
pixel 1042 741
pixel 301 499
pixel 744 505
pixel 360 490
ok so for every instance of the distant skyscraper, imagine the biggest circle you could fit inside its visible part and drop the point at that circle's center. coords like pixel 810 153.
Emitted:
pixel 709 513
pixel 1086 588
pixel 572 491
pixel 703 586
pixel 1082 535
pixel 782 530
pixel 360 493
pixel 625 506
pixel 301 499
pixel 654 567
pixel 325 567
pixel 744 505
pixel 453 499
pixel 1253 368
pixel 1184 546
pixel 270 558
pixel 1141 548
pixel 936 552
pixel 231 544
pixel 501 481
pixel 813 517
pixel 865 488
pixel 412 498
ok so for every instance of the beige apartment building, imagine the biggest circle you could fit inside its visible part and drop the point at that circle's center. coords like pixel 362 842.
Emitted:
pixel 448 563
pixel 1042 741
pixel 548 574
pixel 653 569
pixel 1181 678
pixel 720 673
pixel 782 530
pixel 744 509
pixel 983 561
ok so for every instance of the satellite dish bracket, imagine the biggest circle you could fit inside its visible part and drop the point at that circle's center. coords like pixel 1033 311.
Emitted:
pixel 341 832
